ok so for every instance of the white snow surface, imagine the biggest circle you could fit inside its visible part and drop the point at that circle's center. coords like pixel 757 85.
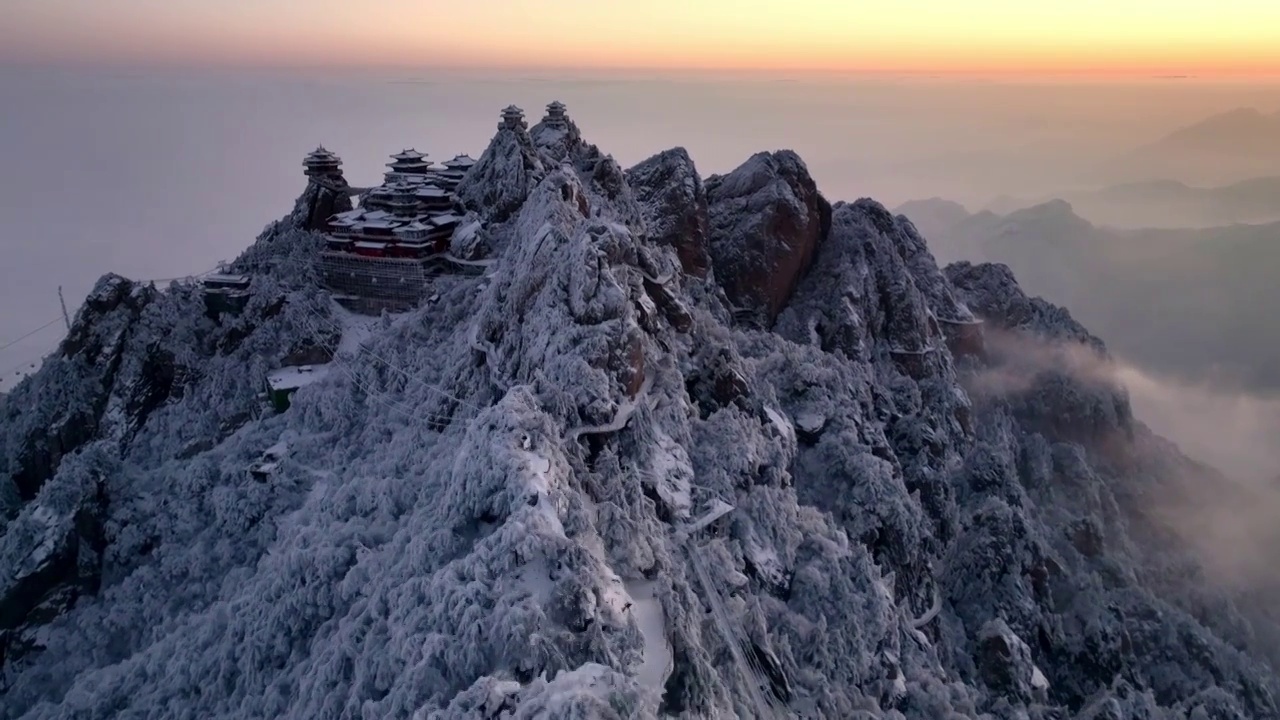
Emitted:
pixel 646 611
pixel 672 473
pixel 294 377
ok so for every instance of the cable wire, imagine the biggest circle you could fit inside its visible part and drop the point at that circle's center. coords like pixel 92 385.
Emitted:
pixel 19 339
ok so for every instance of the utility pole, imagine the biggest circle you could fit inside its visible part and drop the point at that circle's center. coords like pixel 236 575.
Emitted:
pixel 65 317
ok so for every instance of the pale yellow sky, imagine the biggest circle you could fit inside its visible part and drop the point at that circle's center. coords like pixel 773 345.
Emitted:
pixel 1143 36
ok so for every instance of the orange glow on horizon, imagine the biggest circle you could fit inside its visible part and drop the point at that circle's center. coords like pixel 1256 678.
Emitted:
pixel 988 37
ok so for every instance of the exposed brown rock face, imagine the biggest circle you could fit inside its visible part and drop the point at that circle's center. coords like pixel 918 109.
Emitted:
pixel 321 201
pixel 674 201
pixel 869 292
pixel 767 220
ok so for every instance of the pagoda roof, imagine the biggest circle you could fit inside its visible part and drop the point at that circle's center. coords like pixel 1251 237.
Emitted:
pixel 431 191
pixel 512 110
pixel 227 278
pixel 555 105
pixel 376 215
pixel 415 226
pixel 460 162
pixel 409 154
pixel 446 219
pixel 350 215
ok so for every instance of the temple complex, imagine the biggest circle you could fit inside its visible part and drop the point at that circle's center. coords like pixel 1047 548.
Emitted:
pixel 382 253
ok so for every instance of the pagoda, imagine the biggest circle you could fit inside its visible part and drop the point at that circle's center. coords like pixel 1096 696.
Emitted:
pixel 403 200
pixel 322 163
pixel 385 253
pixel 407 165
pixel 434 199
pixel 512 118
pixel 454 170
pixel 414 240
pixel 556 115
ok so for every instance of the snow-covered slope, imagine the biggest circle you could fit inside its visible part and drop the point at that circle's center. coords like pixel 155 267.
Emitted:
pixel 583 486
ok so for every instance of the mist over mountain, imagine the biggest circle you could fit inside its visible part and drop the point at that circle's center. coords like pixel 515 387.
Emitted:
pixel 1166 204
pixel 1222 149
pixel 1193 303
pixel 688 447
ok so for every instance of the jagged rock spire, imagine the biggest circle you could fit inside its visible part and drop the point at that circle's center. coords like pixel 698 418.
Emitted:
pixel 498 183
pixel 674 203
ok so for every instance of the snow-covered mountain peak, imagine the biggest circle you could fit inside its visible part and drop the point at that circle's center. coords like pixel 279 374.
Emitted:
pixel 679 448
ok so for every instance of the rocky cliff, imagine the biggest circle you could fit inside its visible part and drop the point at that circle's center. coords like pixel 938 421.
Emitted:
pixel 767 221
pixel 674 199
pixel 595 483
pixel 499 182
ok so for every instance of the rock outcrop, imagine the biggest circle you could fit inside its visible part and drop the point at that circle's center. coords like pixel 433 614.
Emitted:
pixel 53 555
pixel 576 486
pixel 674 204
pixel 557 137
pixel 993 293
pixel 323 198
pixel 105 384
pixel 501 179
pixel 470 241
pixel 560 144
pixel 767 221
pixel 1005 665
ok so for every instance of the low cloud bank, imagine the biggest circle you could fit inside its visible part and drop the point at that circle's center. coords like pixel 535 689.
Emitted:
pixel 1236 433
pixel 1229 518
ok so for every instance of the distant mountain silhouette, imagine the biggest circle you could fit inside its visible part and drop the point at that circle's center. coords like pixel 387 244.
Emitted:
pixel 1221 149
pixel 1195 303
pixel 1236 131
pixel 1167 204
pixel 933 212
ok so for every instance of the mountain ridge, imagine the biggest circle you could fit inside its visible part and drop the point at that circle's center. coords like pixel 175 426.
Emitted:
pixel 1221 149
pixel 481 509
pixel 1166 203
pixel 1211 283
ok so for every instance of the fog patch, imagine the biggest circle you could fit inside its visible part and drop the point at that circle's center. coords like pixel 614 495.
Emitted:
pixel 1225 505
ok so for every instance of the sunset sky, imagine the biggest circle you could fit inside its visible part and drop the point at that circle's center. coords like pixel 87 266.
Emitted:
pixel 1143 36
